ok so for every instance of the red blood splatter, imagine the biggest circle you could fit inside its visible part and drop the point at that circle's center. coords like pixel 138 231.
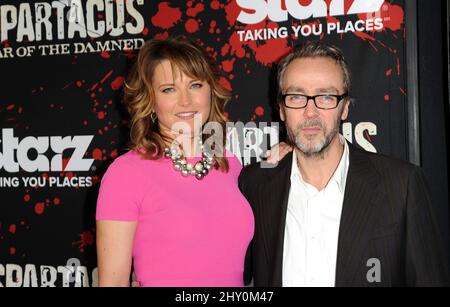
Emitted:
pixel 212 25
pixel 389 72
pixel 145 31
pixel 398 67
pixel 347 5
pixel 236 46
pixel 101 115
pixel 106 76
pixel 129 53
pixel 192 12
pixel 393 16
pixel 373 46
pixel 39 208
pixel 228 65
pixel 232 11
pixel 20 110
pixel 114 153
pixel 367 135
pixel 86 238
pixel 117 83
pixel 364 36
pixel 97 154
pixel 332 19
pixel 12 228
pixel 79 83
pixel 387 97
pixel 259 111
pixel 26 198
pixel 225 83
pixel 95 180
pixel 105 55
pixel 93 88
pixel 192 26
pixel 166 17
pixel 65 162
pixel 225 49
pixel 10 107
pixel 162 36
pixel 272 50
pixel 403 91
pixel 56 201
pixel 305 2
pixel 269 52
pixel 215 5
pixel 12 250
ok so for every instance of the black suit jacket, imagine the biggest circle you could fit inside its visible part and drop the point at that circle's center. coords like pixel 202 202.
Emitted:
pixel 387 215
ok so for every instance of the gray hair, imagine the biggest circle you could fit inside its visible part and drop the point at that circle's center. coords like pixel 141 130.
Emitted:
pixel 313 50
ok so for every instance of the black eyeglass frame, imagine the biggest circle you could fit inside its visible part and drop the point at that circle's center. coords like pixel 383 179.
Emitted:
pixel 338 97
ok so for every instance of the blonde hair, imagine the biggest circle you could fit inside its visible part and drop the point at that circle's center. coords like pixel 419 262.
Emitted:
pixel 139 97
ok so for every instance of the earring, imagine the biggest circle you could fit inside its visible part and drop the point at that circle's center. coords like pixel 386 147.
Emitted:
pixel 153 117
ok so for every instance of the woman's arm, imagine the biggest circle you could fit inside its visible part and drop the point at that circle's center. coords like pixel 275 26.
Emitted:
pixel 277 152
pixel 114 252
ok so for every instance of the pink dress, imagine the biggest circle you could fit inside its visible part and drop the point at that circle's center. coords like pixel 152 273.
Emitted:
pixel 189 233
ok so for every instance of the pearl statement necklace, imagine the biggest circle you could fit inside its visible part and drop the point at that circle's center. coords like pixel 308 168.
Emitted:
pixel 199 170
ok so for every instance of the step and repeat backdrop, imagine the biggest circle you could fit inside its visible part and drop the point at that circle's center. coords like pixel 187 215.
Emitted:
pixel 62 71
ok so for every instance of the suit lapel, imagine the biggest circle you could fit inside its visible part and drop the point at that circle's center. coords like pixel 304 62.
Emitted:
pixel 361 195
pixel 276 196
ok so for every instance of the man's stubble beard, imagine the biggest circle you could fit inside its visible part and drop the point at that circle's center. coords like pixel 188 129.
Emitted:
pixel 306 147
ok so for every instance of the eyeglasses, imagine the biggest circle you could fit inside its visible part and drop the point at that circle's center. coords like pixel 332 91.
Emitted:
pixel 324 102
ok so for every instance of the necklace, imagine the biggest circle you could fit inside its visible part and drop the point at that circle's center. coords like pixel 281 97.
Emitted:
pixel 199 170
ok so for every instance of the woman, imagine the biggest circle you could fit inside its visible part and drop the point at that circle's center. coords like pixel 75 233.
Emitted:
pixel 173 210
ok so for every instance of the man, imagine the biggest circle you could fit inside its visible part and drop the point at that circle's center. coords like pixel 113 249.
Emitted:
pixel 330 214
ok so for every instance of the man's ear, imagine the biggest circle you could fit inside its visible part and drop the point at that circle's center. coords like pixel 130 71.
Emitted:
pixel 345 110
pixel 282 112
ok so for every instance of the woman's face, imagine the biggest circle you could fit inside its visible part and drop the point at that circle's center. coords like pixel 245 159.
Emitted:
pixel 180 101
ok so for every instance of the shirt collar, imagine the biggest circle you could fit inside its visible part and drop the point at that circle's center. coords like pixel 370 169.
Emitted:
pixel 339 176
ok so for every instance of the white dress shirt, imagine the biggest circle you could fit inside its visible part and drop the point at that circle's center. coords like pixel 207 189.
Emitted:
pixel 312 228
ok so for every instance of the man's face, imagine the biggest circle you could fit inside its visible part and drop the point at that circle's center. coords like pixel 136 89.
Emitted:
pixel 311 129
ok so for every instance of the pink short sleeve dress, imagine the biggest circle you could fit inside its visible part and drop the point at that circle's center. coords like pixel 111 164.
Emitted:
pixel 189 233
